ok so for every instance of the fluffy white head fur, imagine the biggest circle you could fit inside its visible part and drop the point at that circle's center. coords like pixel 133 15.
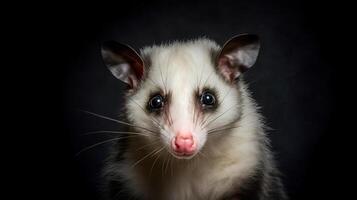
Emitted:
pixel 229 138
pixel 182 69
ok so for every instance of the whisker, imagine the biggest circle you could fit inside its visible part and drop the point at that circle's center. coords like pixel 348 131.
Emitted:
pixel 118 132
pixel 151 118
pixel 172 174
pixel 137 162
pixel 146 145
pixel 219 130
pixel 153 82
pixel 157 157
pixel 208 77
pixel 205 125
pixel 167 164
pixel 103 142
pixel 227 125
pixel 168 116
pixel 229 91
pixel 197 113
pixel 117 121
pixel 222 126
pixel 162 167
pixel 121 115
pixel 170 119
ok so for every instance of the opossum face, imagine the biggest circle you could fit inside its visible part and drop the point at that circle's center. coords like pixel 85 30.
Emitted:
pixel 181 93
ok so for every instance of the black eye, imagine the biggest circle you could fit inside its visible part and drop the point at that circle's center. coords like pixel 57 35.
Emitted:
pixel 208 99
pixel 156 102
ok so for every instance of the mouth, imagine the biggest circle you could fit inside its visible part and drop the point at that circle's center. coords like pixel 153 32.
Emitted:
pixel 185 156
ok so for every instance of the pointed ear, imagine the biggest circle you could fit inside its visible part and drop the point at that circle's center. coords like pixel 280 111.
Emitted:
pixel 238 55
pixel 124 63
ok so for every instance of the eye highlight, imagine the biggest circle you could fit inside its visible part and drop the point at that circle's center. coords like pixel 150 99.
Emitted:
pixel 208 99
pixel 156 103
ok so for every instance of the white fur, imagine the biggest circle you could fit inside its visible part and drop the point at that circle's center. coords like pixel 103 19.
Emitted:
pixel 226 158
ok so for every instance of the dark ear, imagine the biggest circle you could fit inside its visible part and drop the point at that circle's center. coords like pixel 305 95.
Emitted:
pixel 124 63
pixel 238 55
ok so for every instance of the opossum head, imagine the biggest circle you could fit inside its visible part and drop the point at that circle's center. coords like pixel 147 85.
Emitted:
pixel 181 93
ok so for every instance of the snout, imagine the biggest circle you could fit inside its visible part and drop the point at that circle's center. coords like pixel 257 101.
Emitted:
pixel 184 144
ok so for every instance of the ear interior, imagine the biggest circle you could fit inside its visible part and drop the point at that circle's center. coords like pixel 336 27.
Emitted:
pixel 238 55
pixel 123 62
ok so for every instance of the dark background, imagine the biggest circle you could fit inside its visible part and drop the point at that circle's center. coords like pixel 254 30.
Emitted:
pixel 295 81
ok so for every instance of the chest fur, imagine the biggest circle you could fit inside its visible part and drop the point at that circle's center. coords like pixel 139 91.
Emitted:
pixel 205 177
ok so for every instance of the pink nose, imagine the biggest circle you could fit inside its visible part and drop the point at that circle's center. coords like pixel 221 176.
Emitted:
pixel 184 144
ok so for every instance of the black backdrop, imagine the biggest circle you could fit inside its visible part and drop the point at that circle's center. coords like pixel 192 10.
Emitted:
pixel 294 80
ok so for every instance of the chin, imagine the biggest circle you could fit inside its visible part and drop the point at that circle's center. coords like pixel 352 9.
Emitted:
pixel 183 156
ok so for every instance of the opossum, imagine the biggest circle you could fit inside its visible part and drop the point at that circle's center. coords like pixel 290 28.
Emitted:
pixel 194 131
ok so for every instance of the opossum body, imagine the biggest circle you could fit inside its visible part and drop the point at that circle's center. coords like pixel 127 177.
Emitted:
pixel 195 132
